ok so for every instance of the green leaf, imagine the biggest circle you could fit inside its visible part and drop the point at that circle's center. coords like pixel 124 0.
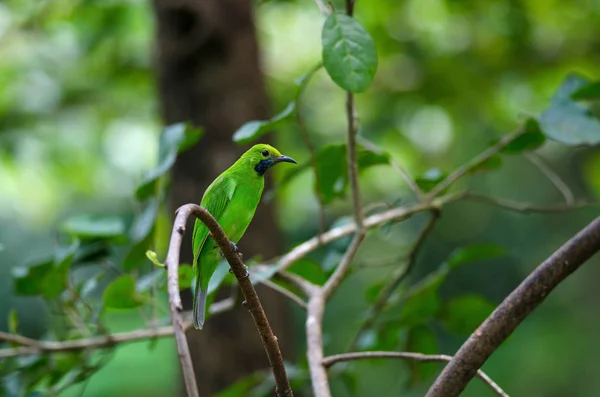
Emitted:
pixel 332 168
pixel 255 129
pixel 309 270
pixel 141 234
pixel 430 179
pixel 568 121
pixel 531 139
pixel 48 278
pixel 590 91
pixel 121 294
pixel 349 53
pixel 421 339
pixel 154 258
pixel 174 139
pixel 88 226
pixel 473 253
pixel 464 314
pixel 186 276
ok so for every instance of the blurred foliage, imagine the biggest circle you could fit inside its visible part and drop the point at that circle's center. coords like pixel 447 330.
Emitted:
pixel 81 152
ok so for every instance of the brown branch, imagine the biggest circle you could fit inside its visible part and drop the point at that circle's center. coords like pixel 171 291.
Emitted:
pixel 514 309
pixel 252 302
pixel 473 163
pixel 395 279
pixel 424 358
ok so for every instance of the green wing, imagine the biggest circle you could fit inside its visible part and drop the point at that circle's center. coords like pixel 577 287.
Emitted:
pixel 215 200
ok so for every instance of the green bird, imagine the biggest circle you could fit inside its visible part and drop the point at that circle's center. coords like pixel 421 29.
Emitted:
pixel 232 199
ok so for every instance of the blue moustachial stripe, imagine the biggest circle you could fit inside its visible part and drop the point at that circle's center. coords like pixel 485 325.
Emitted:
pixel 263 166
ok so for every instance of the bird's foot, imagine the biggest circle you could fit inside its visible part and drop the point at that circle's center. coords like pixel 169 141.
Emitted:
pixel 246 272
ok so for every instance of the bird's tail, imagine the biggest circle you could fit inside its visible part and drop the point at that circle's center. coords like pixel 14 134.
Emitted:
pixel 199 308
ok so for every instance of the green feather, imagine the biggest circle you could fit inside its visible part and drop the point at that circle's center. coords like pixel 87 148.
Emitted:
pixel 232 199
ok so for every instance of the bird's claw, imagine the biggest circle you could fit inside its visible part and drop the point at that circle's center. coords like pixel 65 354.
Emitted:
pixel 246 272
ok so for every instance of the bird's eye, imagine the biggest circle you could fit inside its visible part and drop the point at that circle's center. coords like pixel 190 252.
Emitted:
pixel 265 152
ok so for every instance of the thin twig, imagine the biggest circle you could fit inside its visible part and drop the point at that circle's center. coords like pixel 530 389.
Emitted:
pixel 514 309
pixel 284 291
pixel 552 176
pixel 473 163
pixel 252 302
pixel 424 358
pixel 526 207
pixel 395 279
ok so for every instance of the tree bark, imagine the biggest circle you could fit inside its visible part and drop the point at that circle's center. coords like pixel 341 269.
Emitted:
pixel 208 74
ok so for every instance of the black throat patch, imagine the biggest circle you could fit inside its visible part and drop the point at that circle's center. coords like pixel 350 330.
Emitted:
pixel 263 166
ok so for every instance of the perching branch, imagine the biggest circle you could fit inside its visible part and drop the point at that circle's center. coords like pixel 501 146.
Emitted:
pixel 424 358
pixel 252 302
pixel 514 309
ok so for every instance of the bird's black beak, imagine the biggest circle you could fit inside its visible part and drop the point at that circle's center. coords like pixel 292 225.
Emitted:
pixel 284 159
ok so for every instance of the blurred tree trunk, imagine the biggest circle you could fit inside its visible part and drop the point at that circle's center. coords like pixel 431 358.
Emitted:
pixel 208 73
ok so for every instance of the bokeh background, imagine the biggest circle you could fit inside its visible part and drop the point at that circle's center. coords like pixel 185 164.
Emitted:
pixel 80 119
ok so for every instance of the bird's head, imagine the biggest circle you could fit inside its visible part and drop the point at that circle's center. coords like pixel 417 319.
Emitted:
pixel 263 156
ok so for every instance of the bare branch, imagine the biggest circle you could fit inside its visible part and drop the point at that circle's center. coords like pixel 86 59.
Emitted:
pixel 395 279
pixel 172 265
pixel 552 176
pixel 514 309
pixel 473 163
pixel 424 358
pixel 314 344
pixel 286 292
pixel 252 302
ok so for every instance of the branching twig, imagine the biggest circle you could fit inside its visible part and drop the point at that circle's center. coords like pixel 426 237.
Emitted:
pixel 395 279
pixel 514 309
pixel 552 176
pixel 473 163
pixel 252 302
pixel 424 358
